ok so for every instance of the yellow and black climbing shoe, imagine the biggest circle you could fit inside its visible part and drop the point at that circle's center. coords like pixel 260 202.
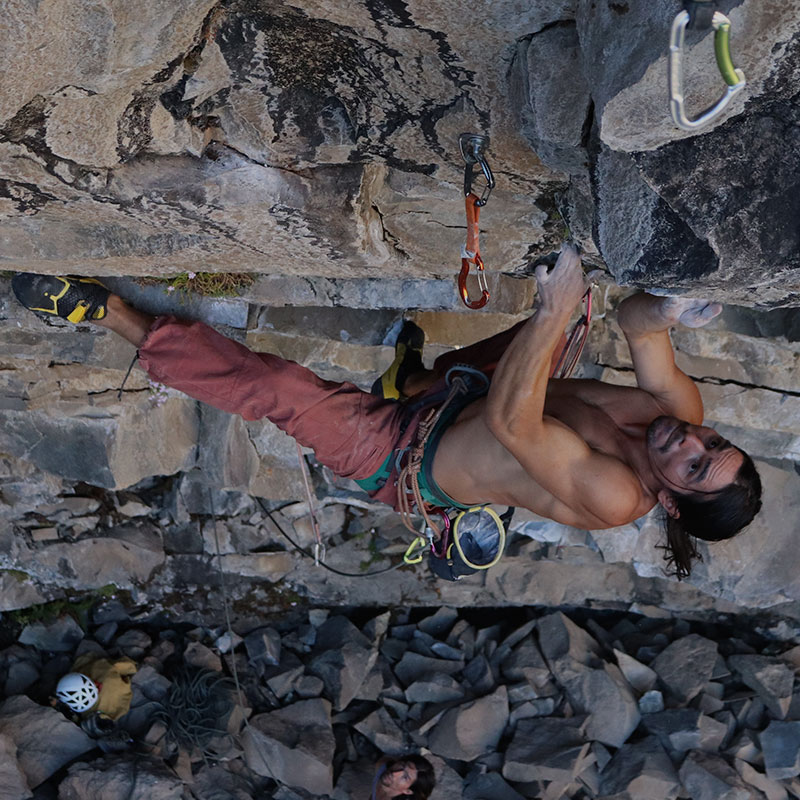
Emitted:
pixel 72 298
pixel 407 361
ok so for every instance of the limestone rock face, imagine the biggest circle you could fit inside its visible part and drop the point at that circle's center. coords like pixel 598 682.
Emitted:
pixel 307 137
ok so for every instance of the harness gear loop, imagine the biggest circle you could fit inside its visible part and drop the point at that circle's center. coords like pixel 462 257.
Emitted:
pixel 732 76
pixel 470 255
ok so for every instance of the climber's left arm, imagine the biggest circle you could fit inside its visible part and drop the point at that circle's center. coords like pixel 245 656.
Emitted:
pixel 646 320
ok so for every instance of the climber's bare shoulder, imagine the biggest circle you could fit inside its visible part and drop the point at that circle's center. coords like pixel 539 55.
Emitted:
pixel 571 469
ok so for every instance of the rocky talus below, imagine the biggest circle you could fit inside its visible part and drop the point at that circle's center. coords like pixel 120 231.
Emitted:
pixel 504 705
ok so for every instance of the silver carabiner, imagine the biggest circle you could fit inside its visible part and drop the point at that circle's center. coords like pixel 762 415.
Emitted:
pixel 473 147
pixel 732 76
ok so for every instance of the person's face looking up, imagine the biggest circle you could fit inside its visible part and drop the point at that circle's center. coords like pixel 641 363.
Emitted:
pixel 399 779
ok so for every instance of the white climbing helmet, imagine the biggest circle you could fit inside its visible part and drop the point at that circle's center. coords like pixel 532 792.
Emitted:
pixel 77 691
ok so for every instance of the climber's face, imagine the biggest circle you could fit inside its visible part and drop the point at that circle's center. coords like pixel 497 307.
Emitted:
pixel 691 458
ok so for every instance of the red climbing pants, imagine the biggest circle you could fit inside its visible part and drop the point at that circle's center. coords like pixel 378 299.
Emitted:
pixel 350 431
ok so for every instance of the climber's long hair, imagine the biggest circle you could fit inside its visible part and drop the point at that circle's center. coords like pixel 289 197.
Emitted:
pixel 712 518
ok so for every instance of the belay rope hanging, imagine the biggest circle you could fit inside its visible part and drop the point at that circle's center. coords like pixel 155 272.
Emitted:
pixel 701 15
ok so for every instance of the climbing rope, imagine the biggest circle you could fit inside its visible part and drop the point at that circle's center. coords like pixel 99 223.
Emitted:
pixel 576 341
pixel 473 148
pixel 322 564
pixel 197 699
pixel 319 545
pixel 701 15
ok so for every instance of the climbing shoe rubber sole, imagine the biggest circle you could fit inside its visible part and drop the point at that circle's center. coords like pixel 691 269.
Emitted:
pixel 69 297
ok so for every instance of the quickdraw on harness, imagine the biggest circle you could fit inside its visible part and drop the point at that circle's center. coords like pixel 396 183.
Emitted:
pixel 473 148
pixel 701 15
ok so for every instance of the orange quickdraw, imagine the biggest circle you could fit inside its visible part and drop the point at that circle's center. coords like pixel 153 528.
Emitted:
pixel 473 147
pixel 470 254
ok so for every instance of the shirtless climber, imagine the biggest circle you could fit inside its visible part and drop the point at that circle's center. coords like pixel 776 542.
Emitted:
pixel 580 452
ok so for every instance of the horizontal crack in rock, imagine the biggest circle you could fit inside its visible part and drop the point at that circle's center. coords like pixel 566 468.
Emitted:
pixel 714 381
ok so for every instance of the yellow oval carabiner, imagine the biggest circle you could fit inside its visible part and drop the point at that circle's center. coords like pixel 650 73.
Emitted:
pixel 409 557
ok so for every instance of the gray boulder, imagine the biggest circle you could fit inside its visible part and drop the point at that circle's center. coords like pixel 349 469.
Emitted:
pixel 129 777
pixel 641 770
pixel 686 666
pixel 560 637
pixel 263 648
pixel 381 729
pixel 134 643
pixel 753 777
pixel 45 740
pixel 219 783
pixel 355 780
pixel 439 623
pixel 294 744
pixel 780 744
pixel 525 662
pixel 770 677
pixel 344 657
pixel 682 729
pixel 709 777
pixel 413 666
pixel 639 676
pixel 549 749
pixel 435 687
pixel 471 729
pixel 21 666
pixel 592 686
pixel 61 635
pixel 651 702
pixel 489 786
pixel 13 783
pixel 554 96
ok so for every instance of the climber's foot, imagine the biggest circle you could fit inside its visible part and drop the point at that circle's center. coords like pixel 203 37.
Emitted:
pixel 407 362
pixel 69 297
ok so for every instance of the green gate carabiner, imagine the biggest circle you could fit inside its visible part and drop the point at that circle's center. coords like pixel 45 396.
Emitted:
pixel 722 50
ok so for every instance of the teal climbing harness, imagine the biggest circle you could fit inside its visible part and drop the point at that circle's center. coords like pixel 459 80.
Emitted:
pixel 701 14
pixel 473 148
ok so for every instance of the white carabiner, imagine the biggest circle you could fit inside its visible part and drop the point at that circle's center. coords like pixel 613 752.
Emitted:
pixel 732 76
